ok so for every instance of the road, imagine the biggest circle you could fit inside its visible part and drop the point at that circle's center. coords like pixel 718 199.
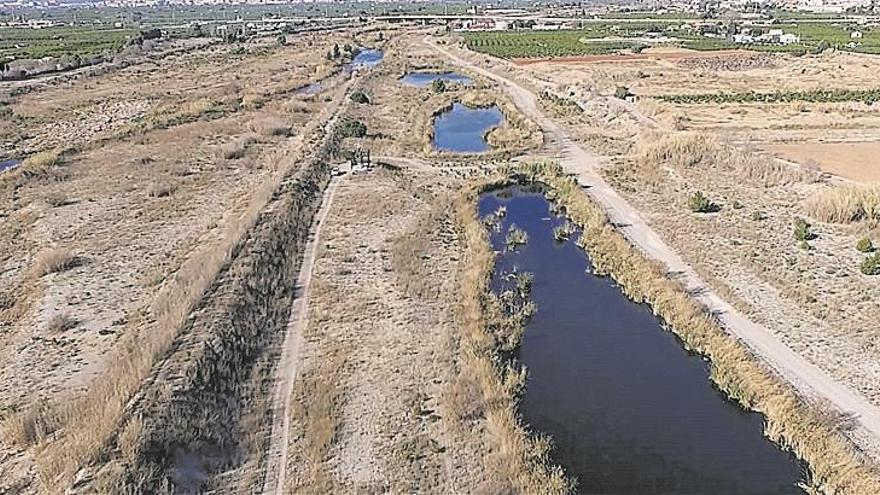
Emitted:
pixel 276 471
pixel 807 378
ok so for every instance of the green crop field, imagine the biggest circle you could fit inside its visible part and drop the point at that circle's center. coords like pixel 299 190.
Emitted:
pixel 868 96
pixel 544 44
pixel 61 42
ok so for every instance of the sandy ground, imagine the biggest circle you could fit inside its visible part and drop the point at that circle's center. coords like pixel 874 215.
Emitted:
pixel 381 342
pixel 797 327
pixel 854 161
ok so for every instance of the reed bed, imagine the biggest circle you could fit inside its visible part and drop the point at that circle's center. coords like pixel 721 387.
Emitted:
pixel 811 433
pixel 846 203
pixel 689 150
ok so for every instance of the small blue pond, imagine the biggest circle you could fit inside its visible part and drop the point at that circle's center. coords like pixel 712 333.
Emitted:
pixel 364 60
pixel 463 129
pixel 8 164
pixel 423 79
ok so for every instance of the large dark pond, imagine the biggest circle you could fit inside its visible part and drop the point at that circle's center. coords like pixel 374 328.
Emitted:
pixel 423 79
pixel 463 130
pixel 629 410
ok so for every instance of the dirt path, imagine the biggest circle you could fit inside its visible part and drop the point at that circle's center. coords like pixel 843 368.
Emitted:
pixel 807 378
pixel 287 368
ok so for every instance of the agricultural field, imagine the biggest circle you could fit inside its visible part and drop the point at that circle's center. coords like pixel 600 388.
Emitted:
pixel 591 39
pixel 84 42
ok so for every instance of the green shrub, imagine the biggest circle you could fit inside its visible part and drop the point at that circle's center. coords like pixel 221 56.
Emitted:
pixel 438 86
pixel 871 265
pixel 700 203
pixel 352 128
pixel 360 97
pixel 802 230
pixel 864 245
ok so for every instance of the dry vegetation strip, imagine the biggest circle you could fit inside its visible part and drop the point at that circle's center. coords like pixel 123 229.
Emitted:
pixel 816 436
pixel 846 203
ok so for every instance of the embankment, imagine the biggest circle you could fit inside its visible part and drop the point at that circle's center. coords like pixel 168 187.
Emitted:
pixel 203 410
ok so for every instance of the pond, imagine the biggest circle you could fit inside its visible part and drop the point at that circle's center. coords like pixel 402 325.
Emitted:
pixel 628 408
pixel 463 129
pixel 364 60
pixel 424 79
pixel 8 164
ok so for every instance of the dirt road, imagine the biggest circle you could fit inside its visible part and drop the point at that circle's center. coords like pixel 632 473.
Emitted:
pixel 287 369
pixel 810 381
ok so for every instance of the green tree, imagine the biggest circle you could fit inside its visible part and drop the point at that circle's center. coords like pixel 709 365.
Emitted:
pixel 803 230
pixel 438 86
pixel 700 203
pixel 871 265
pixel 353 128
pixel 360 97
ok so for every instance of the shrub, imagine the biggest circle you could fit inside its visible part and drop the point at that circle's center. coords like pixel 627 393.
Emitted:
pixel 159 190
pixel 871 265
pixel 438 86
pixel 802 230
pixel 622 92
pixel 353 128
pixel 360 97
pixel 55 260
pixel 700 203
pixel 865 245
pixel 62 322
pixel 270 126
pixel 563 232
pixel 515 237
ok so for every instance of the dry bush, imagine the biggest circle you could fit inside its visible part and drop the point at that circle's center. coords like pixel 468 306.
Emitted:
pixel 30 426
pixel 55 260
pixel 236 149
pixel 845 203
pixel 38 165
pixel 687 151
pixel 270 126
pixel 57 200
pixel 160 190
pixel 62 322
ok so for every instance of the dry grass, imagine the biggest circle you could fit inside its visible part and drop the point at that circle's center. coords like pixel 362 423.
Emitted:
pixel 836 465
pixel 160 190
pixel 686 150
pixel 316 406
pixel 846 203
pixel 54 261
pixel 270 126
pixel 30 426
pixel 236 149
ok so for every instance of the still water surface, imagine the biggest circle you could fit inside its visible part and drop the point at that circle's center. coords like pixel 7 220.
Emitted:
pixel 629 410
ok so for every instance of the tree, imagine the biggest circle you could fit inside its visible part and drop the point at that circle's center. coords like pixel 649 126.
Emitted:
pixel 282 39
pixel 802 230
pixel 622 92
pixel 360 97
pixel 352 128
pixel 438 86
pixel 700 203
pixel 871 265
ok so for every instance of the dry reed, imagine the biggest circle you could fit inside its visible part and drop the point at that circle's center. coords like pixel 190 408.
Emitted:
pixel 845 203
